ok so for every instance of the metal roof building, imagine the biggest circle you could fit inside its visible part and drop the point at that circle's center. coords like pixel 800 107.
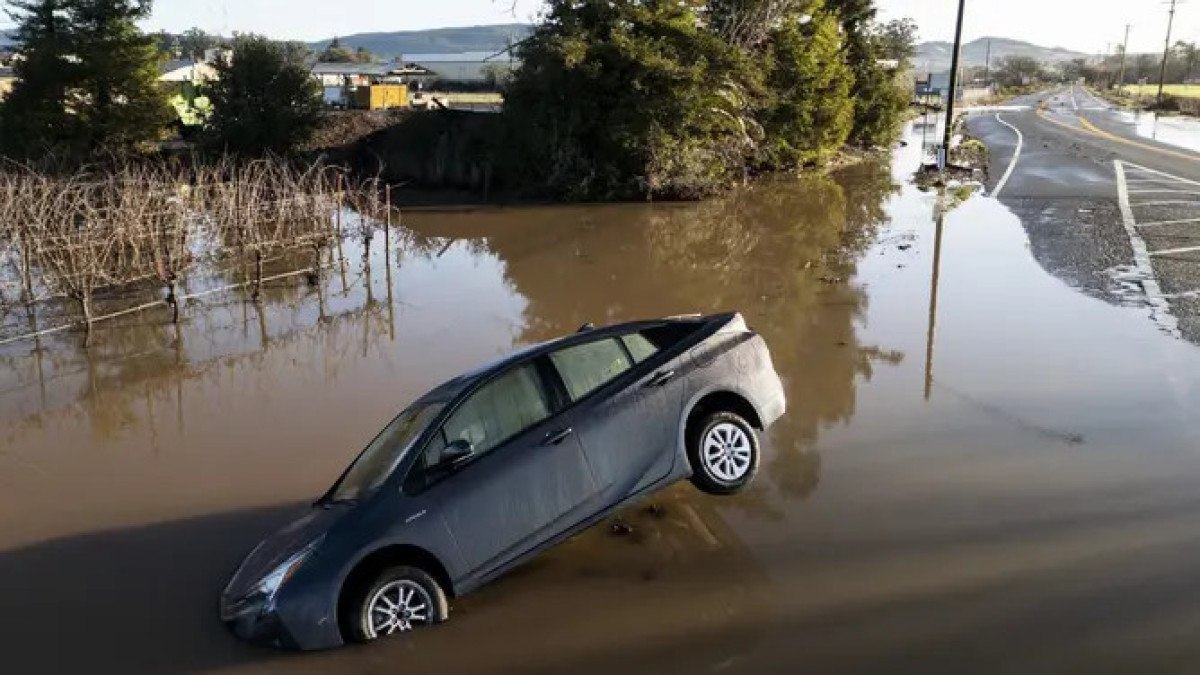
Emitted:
pixel 464 66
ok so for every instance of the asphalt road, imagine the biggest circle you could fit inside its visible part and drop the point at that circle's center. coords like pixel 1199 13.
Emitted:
pixel 1111 212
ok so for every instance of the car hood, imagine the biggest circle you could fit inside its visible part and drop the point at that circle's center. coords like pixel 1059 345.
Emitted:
pixel 278 547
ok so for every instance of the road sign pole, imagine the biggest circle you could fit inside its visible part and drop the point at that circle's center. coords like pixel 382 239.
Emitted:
pixel 945 156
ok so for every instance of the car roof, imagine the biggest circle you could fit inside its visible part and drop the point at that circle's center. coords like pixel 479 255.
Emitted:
pixel 451 389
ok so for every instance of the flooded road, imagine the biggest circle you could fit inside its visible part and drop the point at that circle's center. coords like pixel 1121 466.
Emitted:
pixel 982 469
pixel 1177 130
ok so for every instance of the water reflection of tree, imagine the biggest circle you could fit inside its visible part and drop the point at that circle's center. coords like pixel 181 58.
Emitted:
pixel 783 253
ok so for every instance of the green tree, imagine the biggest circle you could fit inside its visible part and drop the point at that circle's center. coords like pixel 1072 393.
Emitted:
pixel 34 117
pixel 337 53
pixel 879 97
pixel 1016 71
pixel 897 40
pixel 118 100
pixel 166 42
pixel 89 79
pixel 1189 59
pixel 811 113
pixel 195 42
pixel 364 55
pixel 625 98
pixel 264 100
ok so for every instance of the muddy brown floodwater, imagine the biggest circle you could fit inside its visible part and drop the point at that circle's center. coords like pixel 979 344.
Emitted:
pixel 1010 487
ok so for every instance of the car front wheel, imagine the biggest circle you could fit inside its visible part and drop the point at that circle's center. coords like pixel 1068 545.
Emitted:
pixel 724 453
pixel 400 600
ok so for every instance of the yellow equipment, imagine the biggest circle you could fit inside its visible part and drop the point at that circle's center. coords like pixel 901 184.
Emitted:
pixel 381 96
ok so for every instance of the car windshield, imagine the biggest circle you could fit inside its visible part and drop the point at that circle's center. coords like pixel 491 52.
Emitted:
pixel 380 458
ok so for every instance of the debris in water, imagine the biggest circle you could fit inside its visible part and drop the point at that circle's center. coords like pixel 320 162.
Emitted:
pixel 621 529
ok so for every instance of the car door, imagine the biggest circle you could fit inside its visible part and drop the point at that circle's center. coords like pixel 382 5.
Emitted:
pixel 526 476
pixel 627 421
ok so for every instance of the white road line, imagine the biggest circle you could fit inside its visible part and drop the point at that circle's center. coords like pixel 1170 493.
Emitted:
pixel 1160 309
pixel 1169 222
pixel 996 108
pixel 1012 164
pixel 1172 177
pixel 1172 251
pixel 1169 202
pixel 1074 103
pixel 1164 190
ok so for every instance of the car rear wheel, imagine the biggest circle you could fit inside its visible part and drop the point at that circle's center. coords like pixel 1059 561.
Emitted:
pixel 724 453
pixel 400 600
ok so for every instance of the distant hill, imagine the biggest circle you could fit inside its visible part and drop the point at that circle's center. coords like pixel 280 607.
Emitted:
pixel 436 41
pixel 934 57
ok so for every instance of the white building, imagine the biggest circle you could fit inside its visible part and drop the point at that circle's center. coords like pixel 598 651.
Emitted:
pixel 181 71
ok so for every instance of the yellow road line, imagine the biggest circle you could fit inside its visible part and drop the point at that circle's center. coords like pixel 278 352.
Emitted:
pixel 1089 128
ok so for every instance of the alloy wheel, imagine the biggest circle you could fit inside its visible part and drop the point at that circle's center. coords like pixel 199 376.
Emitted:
pixel 397 607
pixel 727 452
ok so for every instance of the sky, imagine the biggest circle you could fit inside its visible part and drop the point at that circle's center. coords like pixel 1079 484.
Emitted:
pixel 1085 25
pixel 1089 26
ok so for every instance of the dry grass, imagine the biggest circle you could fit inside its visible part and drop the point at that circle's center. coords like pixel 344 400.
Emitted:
pixel 1180 90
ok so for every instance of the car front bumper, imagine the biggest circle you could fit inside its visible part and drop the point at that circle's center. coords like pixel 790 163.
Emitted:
pixel 252 621
pixel 294 621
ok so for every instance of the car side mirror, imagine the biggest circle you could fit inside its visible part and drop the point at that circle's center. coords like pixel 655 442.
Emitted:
pixel 457 452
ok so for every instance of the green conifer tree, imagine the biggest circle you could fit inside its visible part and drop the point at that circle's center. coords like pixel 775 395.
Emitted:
pixel 34 117
pixel 119 101
pixel 88 80
pixel 811 113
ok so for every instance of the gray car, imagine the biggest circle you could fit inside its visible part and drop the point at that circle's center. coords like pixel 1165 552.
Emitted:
pixel 497 465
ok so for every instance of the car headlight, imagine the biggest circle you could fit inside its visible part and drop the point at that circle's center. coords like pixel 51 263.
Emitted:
pixel 267 588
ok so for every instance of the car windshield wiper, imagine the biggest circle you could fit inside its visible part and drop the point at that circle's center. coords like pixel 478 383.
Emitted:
pixel 326 502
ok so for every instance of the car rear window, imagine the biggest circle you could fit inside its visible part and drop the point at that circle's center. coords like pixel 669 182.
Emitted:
pixel 640 347
pixel 669 335
pixel 587 367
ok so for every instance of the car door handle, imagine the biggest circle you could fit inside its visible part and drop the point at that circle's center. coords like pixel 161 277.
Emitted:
pixel 558 438
pixel 661 378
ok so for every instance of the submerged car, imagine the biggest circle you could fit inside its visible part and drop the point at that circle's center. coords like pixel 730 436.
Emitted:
pixel 496 466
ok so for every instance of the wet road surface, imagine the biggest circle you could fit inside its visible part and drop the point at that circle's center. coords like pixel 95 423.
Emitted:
pixel 1111 199
pixel 1001 481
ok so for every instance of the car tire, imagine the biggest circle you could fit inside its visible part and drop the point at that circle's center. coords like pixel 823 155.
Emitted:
pixel 724 453
pixel 413 597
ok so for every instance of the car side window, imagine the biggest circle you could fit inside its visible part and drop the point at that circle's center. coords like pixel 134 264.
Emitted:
pixel 640 348
pixel 585 368
pixel 496 412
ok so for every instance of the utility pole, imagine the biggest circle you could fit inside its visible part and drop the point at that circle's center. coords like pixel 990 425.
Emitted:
pixel 1162 73
pixel 945 158
pixel 1104 65
pixel 987 65
pixel 1124 53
